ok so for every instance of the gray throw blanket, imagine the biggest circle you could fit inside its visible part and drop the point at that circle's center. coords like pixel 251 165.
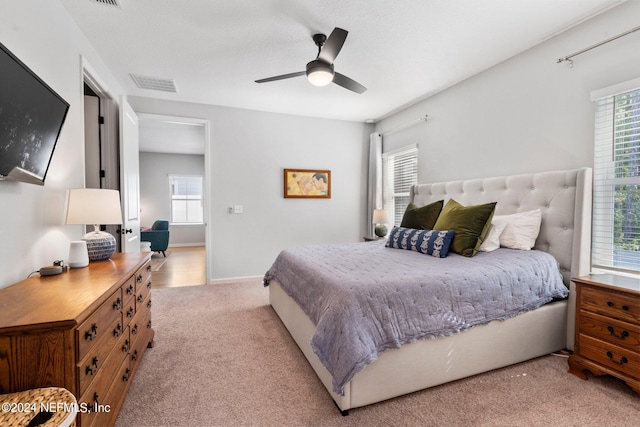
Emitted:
pixel 365 298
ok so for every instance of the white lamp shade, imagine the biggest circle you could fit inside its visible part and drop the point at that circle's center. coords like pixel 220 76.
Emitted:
pixel 380 216
pixel 93 206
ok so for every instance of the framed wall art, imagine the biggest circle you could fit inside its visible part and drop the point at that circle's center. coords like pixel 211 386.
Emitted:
pixel 307 183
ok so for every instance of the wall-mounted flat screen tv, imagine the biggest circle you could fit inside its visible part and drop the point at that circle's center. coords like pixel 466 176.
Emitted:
pixel 31 118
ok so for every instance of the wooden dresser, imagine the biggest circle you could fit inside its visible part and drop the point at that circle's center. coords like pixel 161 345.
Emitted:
pixel 607 328
pixel 85 330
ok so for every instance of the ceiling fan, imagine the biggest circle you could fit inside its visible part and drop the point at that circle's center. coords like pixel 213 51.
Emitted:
pixel 320 71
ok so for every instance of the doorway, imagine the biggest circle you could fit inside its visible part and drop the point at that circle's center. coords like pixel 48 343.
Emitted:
pixel 174 148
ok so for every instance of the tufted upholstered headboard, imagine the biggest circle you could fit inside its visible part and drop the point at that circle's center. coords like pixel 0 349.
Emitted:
pixel 564 197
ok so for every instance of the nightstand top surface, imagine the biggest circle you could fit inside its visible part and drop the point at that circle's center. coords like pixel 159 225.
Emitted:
pixel 612 281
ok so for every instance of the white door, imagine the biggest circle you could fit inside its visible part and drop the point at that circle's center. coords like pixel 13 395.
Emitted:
pixel 129 177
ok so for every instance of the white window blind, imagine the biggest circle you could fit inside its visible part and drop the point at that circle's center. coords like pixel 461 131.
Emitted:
pixel 399 173
pixel 616 204
pixel 186 199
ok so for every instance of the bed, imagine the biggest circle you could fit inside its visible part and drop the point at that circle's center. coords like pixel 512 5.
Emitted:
pixel 564 200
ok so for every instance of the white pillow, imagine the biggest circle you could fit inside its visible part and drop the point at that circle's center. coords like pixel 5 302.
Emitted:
pixel 521 229
pixel 491 241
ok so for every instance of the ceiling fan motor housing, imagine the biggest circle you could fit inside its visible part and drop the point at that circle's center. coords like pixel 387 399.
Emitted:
pixel 320 73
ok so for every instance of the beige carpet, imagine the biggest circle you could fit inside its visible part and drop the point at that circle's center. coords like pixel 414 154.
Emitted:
pixel 222 358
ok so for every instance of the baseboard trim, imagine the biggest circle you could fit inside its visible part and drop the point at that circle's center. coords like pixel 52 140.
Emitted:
pixel 229 280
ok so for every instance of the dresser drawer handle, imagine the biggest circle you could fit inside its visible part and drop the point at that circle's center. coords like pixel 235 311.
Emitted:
pixel 134 330
pixel 149 304
pixel 140 299
pixel 93 368
pixel 117 305
pixel 91 333
pixel 622 335
pixel 125 377
pixel 130 312
pixel 95 405
pixel 134 356
pixel 621 362
pixel 130 290
pixel 149 324
pixel 126 346
pixel 117 331
pixel 149 267
pixel 139 279
pixel 149 285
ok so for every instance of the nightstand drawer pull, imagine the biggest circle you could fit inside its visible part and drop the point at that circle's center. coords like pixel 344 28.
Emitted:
pixel 622 335
pixel 621 362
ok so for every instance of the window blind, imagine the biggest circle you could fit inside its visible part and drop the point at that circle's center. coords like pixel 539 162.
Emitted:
pixel 616 204
pixel 186 199
pixel 400 172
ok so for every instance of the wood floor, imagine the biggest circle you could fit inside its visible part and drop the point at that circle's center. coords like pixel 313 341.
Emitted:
pixel 184 266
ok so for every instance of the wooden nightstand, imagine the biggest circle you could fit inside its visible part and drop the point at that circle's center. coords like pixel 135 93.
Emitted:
pixel 607 328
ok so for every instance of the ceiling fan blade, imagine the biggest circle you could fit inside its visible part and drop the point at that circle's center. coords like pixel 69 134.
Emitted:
pixel 347 83
pixel 332 46
pixel 282 77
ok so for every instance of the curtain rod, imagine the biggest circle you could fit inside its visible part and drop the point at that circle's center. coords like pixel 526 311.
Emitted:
pixel 568 57
pixel 406 125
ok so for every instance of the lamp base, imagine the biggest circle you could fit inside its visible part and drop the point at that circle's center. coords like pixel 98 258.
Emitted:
pixel 381 230
pixel 100 245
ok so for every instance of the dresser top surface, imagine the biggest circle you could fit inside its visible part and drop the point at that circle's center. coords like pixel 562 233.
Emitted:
pixel 65 299
pixel 613 281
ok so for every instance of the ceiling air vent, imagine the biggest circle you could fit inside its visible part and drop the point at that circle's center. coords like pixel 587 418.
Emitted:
pixel 154 83
pixel 113 3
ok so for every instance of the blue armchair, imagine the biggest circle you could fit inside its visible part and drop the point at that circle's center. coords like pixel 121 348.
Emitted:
pixel 158 236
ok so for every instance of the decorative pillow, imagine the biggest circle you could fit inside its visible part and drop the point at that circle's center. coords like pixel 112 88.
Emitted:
pixel 470 223
pixel 421 218
pixel 430 242
pixel 520 229
pixel 491 241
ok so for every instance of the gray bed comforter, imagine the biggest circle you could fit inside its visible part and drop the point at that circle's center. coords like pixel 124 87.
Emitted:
pixel 365 298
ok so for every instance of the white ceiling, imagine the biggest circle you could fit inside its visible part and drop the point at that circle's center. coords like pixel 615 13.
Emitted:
pixel 401 50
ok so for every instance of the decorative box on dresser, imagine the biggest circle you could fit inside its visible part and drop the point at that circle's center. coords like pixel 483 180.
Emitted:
pixel 607 328
pixel 85 330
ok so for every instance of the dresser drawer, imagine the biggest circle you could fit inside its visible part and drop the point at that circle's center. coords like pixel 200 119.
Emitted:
pixel 88 367
pixel 610 330
pixel 97 390
pixel 608 303
pixel 143 276
pixel 612 356
pixel 97 325
pixel 113 397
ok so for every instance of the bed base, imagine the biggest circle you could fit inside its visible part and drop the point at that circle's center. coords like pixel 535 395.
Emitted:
pixel 429 363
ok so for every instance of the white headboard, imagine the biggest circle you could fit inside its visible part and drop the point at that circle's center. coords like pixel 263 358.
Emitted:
pixel 564 197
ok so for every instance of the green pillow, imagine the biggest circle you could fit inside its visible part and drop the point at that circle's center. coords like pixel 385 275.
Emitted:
pixel 421 218
pixel 470 223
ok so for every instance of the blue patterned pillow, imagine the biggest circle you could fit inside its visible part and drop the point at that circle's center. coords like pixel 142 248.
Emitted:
pixel 430 242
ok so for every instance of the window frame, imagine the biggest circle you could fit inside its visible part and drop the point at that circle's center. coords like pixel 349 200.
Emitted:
pixel 616 151
pixel 390 193
pixel 186 199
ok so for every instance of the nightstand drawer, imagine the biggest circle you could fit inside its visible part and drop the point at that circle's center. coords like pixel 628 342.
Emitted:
pixel 610 355
pixel 610 330
pixel 610 304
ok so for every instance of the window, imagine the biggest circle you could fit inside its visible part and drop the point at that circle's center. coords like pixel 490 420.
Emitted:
pixel 399 173
pixel 616 204
pixel 186 199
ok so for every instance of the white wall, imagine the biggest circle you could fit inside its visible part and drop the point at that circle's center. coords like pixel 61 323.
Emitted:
pixel 249 150
pixel 155 200
pixel 527 114
pixel 32 234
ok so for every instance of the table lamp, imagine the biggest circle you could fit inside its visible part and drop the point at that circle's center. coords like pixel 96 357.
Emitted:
pixel 95 206
pixel 380 219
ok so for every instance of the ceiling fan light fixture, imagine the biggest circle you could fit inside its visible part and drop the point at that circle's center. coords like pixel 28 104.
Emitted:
pixel 319 73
